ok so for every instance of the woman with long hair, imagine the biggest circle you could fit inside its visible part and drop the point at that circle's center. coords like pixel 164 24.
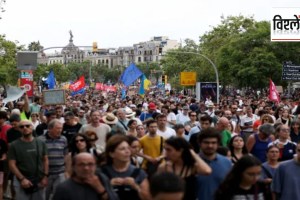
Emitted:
pixel 184 162
pixel 135 147
pixel 242 181
pixel 237 148
pixel 285 117
pixel 128 181
pixel 79 143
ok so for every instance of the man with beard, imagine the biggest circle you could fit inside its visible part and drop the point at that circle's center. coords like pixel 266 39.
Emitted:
pixel 207 184
pixel 28 161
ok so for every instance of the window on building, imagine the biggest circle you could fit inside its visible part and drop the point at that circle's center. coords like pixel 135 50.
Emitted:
pixel 106 61
pixel 150 52
pixel 139 59
pixel 145 59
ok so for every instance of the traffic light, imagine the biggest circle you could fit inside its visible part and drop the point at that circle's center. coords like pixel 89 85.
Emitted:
pixel 164 79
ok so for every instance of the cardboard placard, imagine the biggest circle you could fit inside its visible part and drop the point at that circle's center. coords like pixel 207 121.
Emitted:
pixel 54 97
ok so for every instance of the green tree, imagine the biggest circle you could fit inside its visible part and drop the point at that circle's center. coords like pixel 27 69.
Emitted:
pixel 35 46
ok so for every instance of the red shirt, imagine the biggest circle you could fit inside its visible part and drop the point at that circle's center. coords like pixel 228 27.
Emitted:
pixel 3 130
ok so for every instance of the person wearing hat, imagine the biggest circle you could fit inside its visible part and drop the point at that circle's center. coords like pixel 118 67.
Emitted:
pixel 145 116
pixel 130 114
pixel 210 110
pixel 111 120
pixel 183 117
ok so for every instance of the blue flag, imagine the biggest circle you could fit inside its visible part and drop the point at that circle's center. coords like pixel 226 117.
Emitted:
pixel 142 88
pixel 131 74
pixel 123 92
pixel 51 80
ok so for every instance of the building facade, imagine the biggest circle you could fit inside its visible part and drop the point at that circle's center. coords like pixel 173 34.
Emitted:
pixel 149 51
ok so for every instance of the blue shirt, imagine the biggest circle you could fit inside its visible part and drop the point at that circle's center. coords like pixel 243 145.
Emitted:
pixel 207 185
pixel 286 181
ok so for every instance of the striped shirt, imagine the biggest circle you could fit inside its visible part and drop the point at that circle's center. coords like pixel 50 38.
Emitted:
pixel 57 150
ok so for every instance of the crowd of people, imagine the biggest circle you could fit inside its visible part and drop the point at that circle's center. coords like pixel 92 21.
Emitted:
pixel 153 147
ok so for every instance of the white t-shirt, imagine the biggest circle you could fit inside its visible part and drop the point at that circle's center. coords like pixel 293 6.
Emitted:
pixel 171 116
pixel 181 118
pixel 246 120
pixel 169 132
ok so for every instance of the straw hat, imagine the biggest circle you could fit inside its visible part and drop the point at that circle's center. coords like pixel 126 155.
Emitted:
pixel 129 113
pixel 110 118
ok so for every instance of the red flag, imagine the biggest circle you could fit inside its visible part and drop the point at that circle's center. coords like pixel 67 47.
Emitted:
pixel 77 85
pixel 273 95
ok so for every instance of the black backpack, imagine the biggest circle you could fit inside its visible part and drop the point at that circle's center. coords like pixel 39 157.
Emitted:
pixel 124 192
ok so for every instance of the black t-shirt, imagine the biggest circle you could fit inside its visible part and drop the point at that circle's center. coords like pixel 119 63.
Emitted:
pixel 70 131
pixel 3 150
pixel 12 135
pixel 41 129
pixel 256 192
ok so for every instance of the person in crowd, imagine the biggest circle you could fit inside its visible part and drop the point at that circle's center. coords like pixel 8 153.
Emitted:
pixel 82 117
pixel 140 129
pixel 210 109
pixel 285 118
pixel 148 115
pixel 209 140
pixel 257 143
pixel 192 122
pixel 269 167
pixel 28 161
pixel 111 120
pixel 35 119
pixel 3 162
pixel 222 126
pixel 205 122
pixel 85 182
pixel 100 129
pixel 92 136
pixel 135 146
pixel 278 112
pixel 70 127
pixel 183 117
pixel 43 127
pixel 295 131
pixel 151 148
pixel 128 181
pixel 171 117
pixel 122 121
pixel 4 127
pixel 180 131
pixel 242 182
pixel 287 148
pixel 183 161
pixel 235 118
pixel 132 124
pixel 237 148
pixel 247 123
pixel 14 132
pixel 35 107
pixel 285 184
pixel 163 130
pixel 80 143
pixel 59 110
pixel 57 146
pixel 166 186
pixel 23 106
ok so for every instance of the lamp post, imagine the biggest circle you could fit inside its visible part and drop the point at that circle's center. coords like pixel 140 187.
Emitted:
pixel 211 62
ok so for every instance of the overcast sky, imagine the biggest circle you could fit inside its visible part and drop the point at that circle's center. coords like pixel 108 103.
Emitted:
pixel 115 23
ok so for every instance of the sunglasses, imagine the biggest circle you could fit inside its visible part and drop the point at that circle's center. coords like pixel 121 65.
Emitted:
pixel 26 125
pixel 81 140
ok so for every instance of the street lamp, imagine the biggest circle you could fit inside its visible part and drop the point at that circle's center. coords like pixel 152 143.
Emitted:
pixel 211 62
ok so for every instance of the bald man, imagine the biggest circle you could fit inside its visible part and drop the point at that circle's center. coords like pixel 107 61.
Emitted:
pixel 222 126
pixel 85 182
